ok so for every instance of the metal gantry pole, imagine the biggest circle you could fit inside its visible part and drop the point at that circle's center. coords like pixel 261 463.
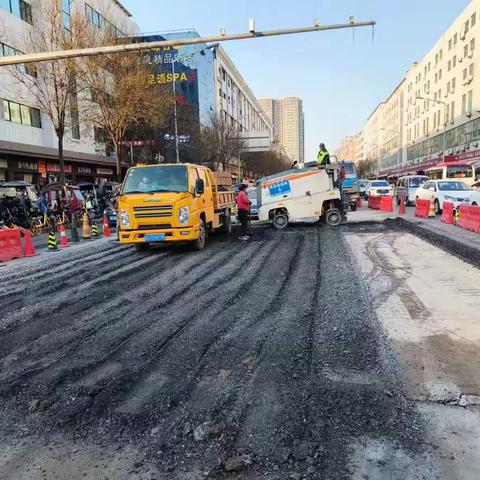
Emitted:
pixel 174 87
pixel 145 46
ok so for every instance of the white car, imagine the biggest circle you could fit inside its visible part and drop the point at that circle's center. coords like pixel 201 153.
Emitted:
pixel 379 188
pixel 475 197
pixel 440 191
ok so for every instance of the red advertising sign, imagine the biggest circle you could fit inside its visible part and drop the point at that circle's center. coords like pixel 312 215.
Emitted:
pixel 55 168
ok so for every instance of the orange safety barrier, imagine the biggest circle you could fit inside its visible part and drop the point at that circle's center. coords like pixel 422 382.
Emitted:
pixel 469 218
pixel 447 213
pixel 386 204
pixel 10 244
pixel 422 208
pixel 374 202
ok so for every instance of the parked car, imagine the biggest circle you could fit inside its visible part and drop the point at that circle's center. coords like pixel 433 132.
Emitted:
pixel 475 197
pixel 408 186
pixel 252 195
pixel 440 191
pixel 379 188
pixel 363 186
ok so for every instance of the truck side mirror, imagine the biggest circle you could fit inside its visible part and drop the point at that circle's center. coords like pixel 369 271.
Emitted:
pixel 199 186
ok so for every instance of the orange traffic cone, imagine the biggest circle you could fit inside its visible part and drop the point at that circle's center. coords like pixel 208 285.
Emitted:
pixel 86 228
pixel 63 237
pixel 106 227
pixel 401 210
pixel 28 248
pixel 431 212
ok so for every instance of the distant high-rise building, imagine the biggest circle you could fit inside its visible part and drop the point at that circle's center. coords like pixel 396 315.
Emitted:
pixel 288 124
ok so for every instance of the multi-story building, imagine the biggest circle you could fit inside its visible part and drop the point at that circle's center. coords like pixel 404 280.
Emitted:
pixel 205 79
pixel 434 114
pixel 349 149
pixel 28 143
pixel 288 124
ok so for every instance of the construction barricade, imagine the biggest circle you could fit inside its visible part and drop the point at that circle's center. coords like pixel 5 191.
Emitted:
pixel 386 204
pixel 469 218
pixel 422 207
pixel 447 213
pixel 374 202
pixel 10 244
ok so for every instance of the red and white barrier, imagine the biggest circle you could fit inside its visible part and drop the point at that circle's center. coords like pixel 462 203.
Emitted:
pixel 374 202
pixel 469 218
pixel 10 244
pixel 447 213
pixel 422 207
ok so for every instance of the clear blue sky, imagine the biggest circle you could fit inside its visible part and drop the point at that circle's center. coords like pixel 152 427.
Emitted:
pixel 341 77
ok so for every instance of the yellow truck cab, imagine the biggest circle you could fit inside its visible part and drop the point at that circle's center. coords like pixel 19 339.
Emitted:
pixel 173 203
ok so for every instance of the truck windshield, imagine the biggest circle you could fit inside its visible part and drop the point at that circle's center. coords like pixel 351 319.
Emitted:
pixel 350 170
pixel 169 178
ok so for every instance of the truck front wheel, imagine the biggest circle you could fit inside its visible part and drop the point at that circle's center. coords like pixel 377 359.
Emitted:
pixel 199 243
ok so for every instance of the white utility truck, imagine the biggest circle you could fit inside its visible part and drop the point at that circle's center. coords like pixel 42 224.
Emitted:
pixel 300 195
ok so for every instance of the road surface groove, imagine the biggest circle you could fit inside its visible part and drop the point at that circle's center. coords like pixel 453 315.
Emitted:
pixel 270 346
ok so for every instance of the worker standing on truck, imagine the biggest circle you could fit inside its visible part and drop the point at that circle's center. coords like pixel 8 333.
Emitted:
pixel 323 157
pixel 243 207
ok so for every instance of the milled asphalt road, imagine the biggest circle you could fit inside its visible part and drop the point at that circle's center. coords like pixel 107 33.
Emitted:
pixel 247 360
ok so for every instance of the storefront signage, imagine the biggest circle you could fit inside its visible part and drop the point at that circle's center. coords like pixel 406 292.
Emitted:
pixel 42 167
pixel 54 167
pixel 84 170
pixel 467 156
pixel 27 165
pixel 104 171
pixel 3 164
pixel 163 78
pixel 138 143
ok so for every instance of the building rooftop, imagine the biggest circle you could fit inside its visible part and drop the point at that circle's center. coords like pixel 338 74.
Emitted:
pixel 117 2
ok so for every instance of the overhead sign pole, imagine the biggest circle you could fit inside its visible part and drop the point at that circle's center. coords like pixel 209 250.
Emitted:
pixel 132 47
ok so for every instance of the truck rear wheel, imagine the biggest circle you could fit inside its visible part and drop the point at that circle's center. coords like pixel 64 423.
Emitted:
pixel 227 222
pixel 333 217
pixel 199 243
pixel 280 220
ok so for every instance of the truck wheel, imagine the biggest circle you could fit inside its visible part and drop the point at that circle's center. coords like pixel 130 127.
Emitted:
pixel 227 223
pixel 142 247
pixel 280 220
pixel 199 243
pixel 333 218
pixel 353 207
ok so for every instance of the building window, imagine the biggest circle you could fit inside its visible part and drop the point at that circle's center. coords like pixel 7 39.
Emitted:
pixel 454 81
pixel 467 26
pixel 473 20
pixel 465 51
pixel 450 44
pixel 449 65
pixel 19 8
pixel 66 15
pixel 100 21
pixel 455 39
pixel 465 73
pixel 16 113
pixel 464 104
pixel 471 70
pixel 470 102
pixel 472 45
pixel 454 61
pixel 452 112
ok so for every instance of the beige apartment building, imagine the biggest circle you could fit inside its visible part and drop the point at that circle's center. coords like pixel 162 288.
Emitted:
pixel 434 113
pixel 288 124
pixel 349 149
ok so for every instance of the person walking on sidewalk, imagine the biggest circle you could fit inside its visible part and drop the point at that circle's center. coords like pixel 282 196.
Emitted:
pixel 243 208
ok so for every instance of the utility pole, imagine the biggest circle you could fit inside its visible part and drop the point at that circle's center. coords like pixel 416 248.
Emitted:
pixel 137 47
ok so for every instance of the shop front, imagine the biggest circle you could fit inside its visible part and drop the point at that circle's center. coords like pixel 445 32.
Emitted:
pixel 3 170
pixel 104 174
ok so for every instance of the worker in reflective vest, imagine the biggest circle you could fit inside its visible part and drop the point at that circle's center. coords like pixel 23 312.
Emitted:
pixel 323 157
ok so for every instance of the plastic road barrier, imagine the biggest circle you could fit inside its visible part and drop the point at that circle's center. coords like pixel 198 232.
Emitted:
pixel 469 218
pixel 10 244
pixel 422 208
pixel 447 213
pixel 374 202
pixel 386 204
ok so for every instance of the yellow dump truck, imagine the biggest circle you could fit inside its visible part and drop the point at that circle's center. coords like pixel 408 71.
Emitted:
pixel 173 203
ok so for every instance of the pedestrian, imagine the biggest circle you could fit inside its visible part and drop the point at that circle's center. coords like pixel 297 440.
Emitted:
pixel 243 208
pixel 323 157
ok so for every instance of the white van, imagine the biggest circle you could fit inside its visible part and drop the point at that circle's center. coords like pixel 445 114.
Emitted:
pixel 408 185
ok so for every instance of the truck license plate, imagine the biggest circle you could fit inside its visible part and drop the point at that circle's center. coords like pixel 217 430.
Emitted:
pixel 158 237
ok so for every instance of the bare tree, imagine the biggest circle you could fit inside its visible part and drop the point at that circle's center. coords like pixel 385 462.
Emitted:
pixel 123 94
pixel 366 168
pixel 51 85
pixel 222 142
